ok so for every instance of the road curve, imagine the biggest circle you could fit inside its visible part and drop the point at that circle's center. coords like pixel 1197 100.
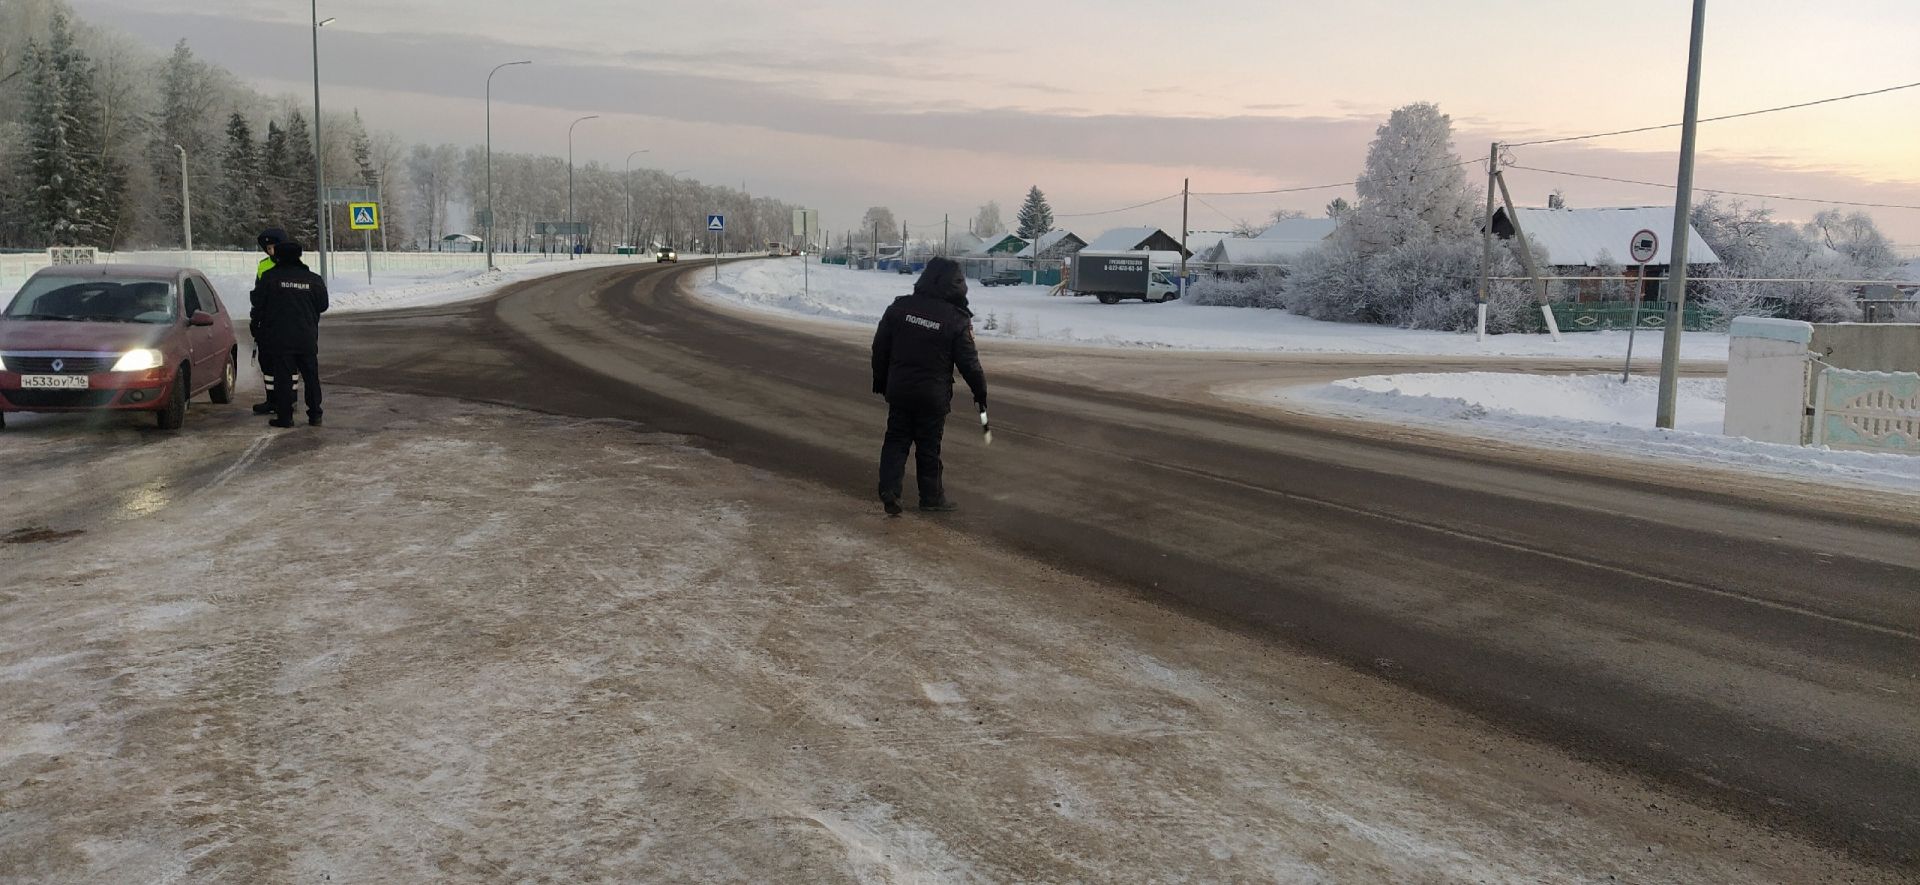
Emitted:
pixel 1760 652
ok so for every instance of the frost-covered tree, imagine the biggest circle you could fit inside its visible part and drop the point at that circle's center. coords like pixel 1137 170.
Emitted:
pixel 1036 217
pixel 1751 245
pixel 987 223
pixel 74 182
pixel 241 216
pixel 303 205
pixel 1407 253
pixel 1413 188
pixel 879 218
pixel 1615 282
pixel 1855 236
pixel 273 196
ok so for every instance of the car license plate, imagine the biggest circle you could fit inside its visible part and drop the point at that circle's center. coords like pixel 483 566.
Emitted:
pixel 54 382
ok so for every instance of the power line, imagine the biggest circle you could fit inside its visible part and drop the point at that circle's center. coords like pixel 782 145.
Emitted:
pixel 1112 211
pixel 1784 107
pixel 1337 184
pixel 1712 191
pixel 1216 211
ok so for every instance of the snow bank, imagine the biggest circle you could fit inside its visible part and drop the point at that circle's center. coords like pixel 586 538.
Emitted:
pixel 1587 413
pixel 1026 312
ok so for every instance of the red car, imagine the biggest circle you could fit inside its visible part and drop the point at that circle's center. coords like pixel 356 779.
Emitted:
pixel 116 337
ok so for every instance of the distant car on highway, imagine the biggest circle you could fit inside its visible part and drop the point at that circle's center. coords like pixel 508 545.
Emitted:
pixel 1003 278
pixel 666 255
pixel 116 338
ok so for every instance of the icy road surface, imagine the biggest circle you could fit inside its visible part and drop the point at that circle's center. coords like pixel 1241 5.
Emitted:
pixel 438 641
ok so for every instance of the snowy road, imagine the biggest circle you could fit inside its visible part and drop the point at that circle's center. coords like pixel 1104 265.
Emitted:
pixel 660 632
pixel 449 642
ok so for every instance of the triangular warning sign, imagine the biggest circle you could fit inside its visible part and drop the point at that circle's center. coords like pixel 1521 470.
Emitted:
pixel 363 216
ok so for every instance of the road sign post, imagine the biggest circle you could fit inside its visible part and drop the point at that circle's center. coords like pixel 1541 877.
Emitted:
pixel 365 218
pixel 1642 248
pixel 716 224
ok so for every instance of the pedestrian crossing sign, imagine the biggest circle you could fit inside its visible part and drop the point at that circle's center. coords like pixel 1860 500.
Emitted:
pixel 716 223
pixel 365 216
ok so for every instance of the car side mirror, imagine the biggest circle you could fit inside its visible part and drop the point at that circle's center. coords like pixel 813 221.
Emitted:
pixel 200 318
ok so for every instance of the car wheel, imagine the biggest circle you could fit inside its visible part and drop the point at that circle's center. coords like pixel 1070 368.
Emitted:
pixel 1107 299
pixel 222 393
pixel 174 416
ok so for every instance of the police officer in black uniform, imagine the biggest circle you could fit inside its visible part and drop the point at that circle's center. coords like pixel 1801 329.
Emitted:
pixel 921 340
pixel 287 303
pixel 268 239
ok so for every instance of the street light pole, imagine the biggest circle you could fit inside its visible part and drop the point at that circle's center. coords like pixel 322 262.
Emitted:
pixel 571 231
pixel 1682 230
pixel 186 205
pixel 627 232
pixel 489 231
pixel 319 168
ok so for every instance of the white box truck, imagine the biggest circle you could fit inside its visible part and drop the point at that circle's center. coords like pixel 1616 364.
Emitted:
pixel 1114 276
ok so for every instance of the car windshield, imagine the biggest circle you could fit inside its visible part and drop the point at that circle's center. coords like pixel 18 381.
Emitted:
pixel 95 300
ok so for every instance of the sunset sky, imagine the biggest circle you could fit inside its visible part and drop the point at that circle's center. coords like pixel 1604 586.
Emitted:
pixel 932 108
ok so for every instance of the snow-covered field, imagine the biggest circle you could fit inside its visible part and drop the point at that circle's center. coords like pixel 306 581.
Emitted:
pixel 1587 413
pixel 1027 312
pixel 392 289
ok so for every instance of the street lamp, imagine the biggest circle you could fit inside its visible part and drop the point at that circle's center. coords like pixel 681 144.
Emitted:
pixel 571 230
pixel 319 171
pixel 489 224
pixel 627 232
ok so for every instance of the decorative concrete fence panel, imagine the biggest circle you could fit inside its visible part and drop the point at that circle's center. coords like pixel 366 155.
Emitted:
pixel 1874 411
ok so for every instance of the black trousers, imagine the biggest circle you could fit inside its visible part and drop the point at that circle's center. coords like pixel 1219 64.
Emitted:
pixel 280 368
pixel 266 374
pixel 916 426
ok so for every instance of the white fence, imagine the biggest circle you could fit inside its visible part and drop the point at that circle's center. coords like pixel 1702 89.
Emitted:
pixel 15 268
pixel 1875 411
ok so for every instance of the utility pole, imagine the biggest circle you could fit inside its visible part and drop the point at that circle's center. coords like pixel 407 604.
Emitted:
pixel 1682 230
pixel 1186 185
pixel 903 246
pixel 1486 245
pixel 946 236
pixel 186 205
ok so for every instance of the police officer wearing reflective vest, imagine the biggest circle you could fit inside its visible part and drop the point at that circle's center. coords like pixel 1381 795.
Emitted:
pixel 268 239
pixel 922 339
pixel 287 303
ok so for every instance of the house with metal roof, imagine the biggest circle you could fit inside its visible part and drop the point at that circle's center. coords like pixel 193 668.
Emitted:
pixel 1136 239
pixel 1055 244
pixel 1580 239
pixel 1004 244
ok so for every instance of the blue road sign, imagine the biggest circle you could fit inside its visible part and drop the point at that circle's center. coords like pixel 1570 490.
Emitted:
pixel 716 224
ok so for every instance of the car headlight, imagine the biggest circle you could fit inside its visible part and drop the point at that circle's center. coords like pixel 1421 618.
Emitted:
pixel 138 361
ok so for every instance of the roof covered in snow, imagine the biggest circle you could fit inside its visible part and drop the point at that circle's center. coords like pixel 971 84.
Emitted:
pixel 1048 240
pixel 1310 230
pixel 1577 237
pixel 1241 250
pixel 1909 272
pixel 1133 239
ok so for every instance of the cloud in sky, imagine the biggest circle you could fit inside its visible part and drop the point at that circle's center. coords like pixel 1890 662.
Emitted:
pixel 848 105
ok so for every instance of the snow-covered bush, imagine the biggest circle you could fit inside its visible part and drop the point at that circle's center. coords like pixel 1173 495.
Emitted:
pixel 1263 290
pixel 1421 285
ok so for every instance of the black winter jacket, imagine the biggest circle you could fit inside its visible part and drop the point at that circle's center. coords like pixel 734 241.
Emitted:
pixel 921 340
pixel 287 303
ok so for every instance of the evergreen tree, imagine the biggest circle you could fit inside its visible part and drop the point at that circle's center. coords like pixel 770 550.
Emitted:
pixel 75 186
pixel 1036 217
pixel 183 119
pixel 303 207
pixel 274 177
pixel 241 216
